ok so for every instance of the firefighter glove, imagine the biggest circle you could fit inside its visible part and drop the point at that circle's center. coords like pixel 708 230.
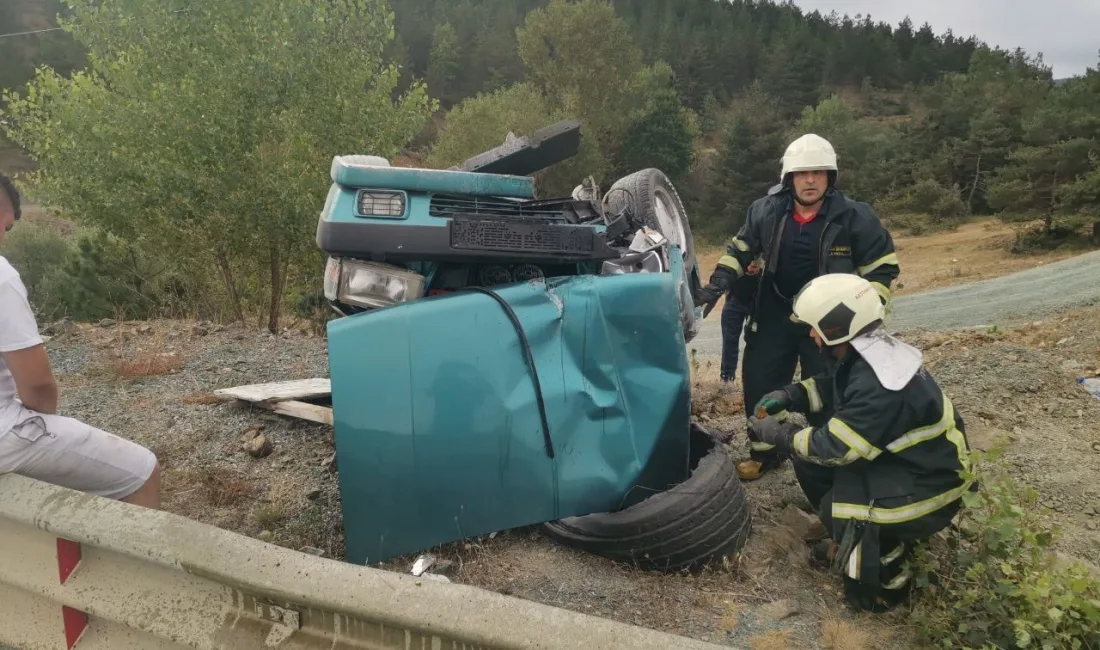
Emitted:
pixel 719 284
pixel 774 402
pixel 773 432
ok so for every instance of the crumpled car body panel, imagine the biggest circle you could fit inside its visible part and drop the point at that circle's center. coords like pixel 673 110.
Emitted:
pixel 438 432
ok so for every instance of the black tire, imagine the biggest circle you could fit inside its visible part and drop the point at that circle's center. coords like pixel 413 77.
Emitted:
pixel 698 522
pixel 646 193
pixel 642 192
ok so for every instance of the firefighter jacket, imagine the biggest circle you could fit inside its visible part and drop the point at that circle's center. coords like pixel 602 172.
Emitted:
pixel 897 455
pixel 853 240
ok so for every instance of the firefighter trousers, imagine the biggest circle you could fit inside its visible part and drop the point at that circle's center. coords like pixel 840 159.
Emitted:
pixel 895 543
pixel 771 355
pixel 734 314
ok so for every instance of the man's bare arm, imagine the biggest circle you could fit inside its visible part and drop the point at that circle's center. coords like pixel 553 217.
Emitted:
pixel 34 380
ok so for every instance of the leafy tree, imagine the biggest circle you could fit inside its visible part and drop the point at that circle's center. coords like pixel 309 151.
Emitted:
pixel 1083 194
pixel 482 122
pixel 1078 102
pixel 202 132
pixel 40 254
pixel 583 57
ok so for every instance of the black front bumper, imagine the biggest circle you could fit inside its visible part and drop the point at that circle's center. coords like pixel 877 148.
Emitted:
pixel 470 238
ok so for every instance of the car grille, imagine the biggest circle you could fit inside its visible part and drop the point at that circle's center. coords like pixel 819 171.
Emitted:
pixel 447 206
pixel 521 235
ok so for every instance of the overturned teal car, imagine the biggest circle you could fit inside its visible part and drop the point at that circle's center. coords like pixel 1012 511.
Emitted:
pixel 502 360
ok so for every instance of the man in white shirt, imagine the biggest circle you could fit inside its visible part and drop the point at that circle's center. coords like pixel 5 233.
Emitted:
pixel 34 440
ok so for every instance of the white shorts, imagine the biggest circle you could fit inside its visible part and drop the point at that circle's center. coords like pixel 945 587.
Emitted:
pixel 66 452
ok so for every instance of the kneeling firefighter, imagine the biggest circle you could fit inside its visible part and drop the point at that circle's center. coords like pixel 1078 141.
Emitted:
pixel 887 468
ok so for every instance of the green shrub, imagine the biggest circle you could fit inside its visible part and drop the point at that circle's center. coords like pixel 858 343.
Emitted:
pixel 93 275
pixel 41 255
pixel 995 582
pixel 927 204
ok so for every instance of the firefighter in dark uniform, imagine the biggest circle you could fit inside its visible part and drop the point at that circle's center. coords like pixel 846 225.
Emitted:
pixel 803 228
pixel 891 463
pixel 734 312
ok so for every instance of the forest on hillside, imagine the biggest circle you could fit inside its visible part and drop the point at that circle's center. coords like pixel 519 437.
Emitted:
pixel 929 126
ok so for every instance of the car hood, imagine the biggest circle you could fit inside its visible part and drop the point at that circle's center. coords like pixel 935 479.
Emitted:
pixel 438 431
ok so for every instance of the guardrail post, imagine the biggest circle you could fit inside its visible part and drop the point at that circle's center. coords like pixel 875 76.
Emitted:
pixel 75 621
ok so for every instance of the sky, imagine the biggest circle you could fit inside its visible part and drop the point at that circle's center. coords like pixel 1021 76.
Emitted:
pixel 1064 31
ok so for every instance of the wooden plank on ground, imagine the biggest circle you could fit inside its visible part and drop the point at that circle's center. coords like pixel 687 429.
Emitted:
pixel 301 410
pixel 278 391
pixel 284 398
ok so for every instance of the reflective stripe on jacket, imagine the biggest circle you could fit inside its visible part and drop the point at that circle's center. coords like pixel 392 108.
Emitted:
pixel 897 454
pixel 853 241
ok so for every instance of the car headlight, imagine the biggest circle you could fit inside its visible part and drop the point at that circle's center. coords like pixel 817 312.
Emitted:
pixel 370 284
pixel 375 203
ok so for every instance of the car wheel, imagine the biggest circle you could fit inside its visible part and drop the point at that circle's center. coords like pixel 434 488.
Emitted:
pixel 654 202
pixel 699 521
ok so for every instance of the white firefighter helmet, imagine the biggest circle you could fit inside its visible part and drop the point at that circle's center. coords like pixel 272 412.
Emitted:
pixel 838 306
pixel 807 153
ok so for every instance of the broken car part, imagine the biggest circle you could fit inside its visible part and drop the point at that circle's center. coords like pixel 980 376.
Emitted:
pixel 438 431
pixel 699 522
pixel 525 155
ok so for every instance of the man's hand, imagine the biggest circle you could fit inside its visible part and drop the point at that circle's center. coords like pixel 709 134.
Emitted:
pixel 708 295
pixel 773 402
pixel 718 285
pixel 773 432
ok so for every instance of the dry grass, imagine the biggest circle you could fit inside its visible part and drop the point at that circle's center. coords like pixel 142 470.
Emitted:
pixel 975 251
pixel 189 491
pixel 731 618
pixel 201 399
pixel 777 640
pixel 147 365
pixel 710 395
pixel 223 488
pixel 279 505
pixel 840 635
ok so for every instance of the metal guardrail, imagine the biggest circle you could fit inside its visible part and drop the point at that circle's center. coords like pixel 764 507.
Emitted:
pixel 91 573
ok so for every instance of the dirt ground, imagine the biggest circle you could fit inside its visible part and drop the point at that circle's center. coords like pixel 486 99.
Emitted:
pixel 153 382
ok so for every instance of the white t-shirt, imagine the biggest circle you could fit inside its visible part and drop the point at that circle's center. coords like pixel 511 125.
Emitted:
pixel 18 331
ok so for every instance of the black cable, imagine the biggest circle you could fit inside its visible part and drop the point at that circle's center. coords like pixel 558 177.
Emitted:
pixel 530 363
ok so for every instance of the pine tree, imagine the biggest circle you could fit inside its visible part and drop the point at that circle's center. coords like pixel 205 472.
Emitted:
pixel 748 163
pixel 660 137
pixel 445 64
pixel 792 74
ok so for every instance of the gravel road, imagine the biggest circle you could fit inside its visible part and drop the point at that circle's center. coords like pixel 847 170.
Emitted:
pixel 1012 299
